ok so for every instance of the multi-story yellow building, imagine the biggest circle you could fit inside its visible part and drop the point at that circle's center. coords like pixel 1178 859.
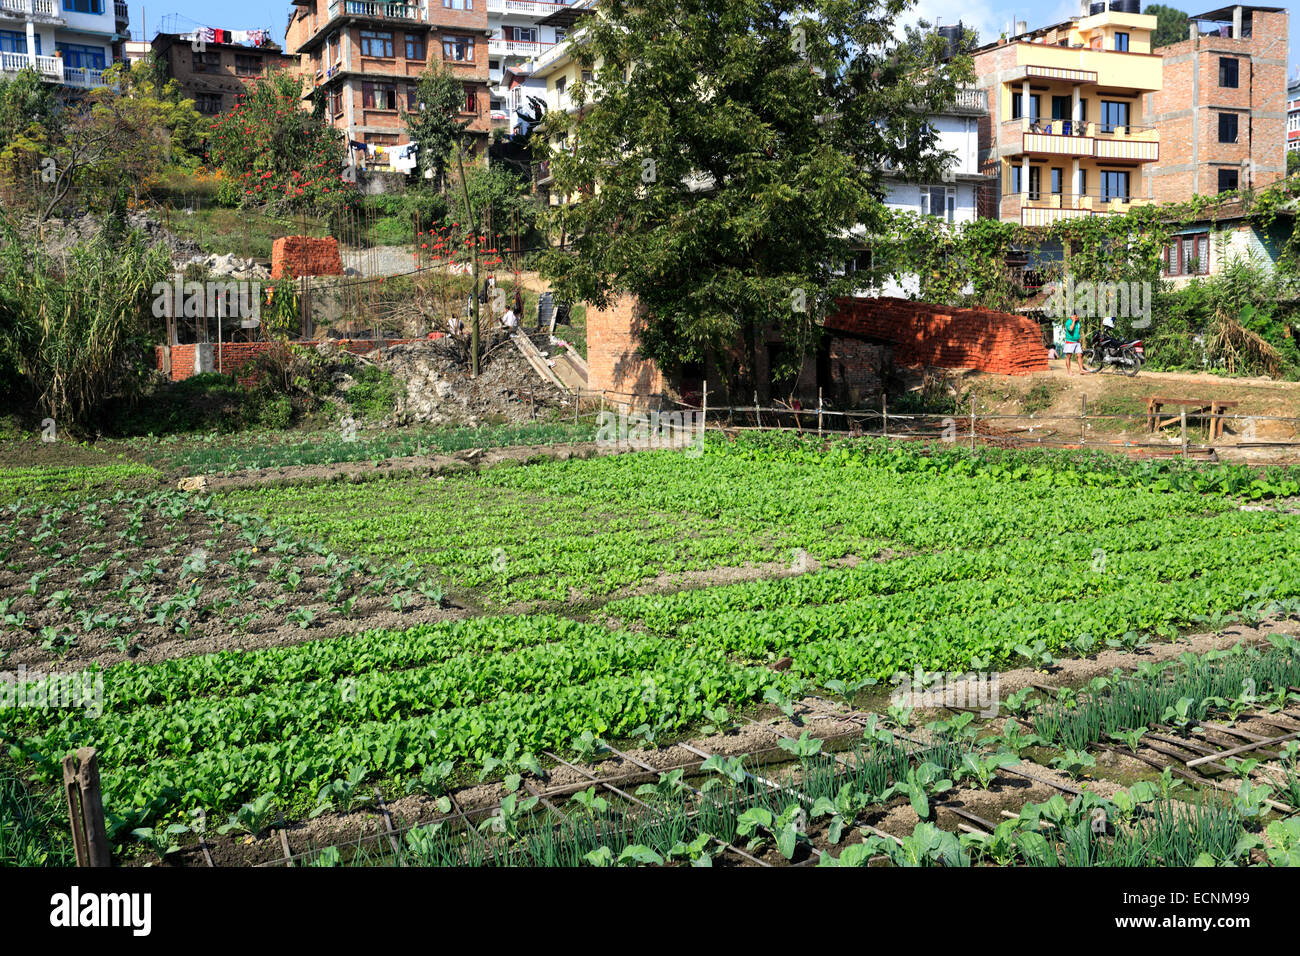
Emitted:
pixel 1066 134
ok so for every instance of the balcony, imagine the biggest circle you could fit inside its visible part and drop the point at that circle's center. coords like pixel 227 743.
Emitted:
pixel 121 13
pixel 51 68
pixel 528 8
pixel 375 9
pixel 1131 71
pixel 1074 138
pixel 503 47
pixel 1044 209
pixel 47 11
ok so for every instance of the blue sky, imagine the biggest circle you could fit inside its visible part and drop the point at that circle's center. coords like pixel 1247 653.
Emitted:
pixel 988 16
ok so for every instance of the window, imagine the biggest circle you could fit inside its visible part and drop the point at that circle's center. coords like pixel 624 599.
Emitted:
pixel 1017 111
pixel 336 102
pixel 1227 127
pixel 208 103
pixel 248 65
pixel 83 6
pixel 560 34
pixel 379 96
pixel 415 49
pixel 1083 182
pixel 939 201
pixel 1188 255
pixel 13 42
pixel 458 4
pixel 1112 115
pixel 588 76
pixel 471 100
pixel 1121 42
pixel 78 57
pixel 459 49
pixel 1227 180
pixel 1058 180
pixel 209 62
pixel 494 65
pixel 1061 107
pixel 376 43
pixel 1228 72
pixel 1114 185
pixel 526 34
pixel 1035 180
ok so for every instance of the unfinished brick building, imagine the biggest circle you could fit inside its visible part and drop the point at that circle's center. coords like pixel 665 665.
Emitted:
pixel 365 55
pixel 1221 109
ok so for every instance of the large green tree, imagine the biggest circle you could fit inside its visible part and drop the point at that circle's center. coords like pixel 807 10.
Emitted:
pixel 726 159
pixel 434 125
pixel 1171 25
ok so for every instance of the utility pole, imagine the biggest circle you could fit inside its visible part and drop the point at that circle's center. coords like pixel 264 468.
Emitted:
pixel 469 211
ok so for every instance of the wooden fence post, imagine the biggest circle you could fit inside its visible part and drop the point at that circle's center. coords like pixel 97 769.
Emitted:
pixel 704 407
pixel 1182 427
pixel 884 415
pixel 819 413
pixel 86 808
pixel 1083 423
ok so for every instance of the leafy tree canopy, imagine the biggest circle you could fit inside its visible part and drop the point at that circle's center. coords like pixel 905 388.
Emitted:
pixel 727 157
pixel 1171 25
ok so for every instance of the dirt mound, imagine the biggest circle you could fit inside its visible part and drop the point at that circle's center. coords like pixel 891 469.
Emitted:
pixel 60 235
pixel 437 387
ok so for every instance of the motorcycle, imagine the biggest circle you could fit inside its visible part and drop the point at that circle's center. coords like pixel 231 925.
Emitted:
pixel 1126 357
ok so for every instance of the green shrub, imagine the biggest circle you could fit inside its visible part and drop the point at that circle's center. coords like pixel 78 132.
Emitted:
pixel 276 412
pixel 373 394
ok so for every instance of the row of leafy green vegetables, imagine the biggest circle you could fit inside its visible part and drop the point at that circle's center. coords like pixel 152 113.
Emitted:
pixel 1047 466
pixel 666 513
pixel 465 706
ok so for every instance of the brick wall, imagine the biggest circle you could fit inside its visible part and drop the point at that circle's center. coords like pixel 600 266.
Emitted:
pixel 235 356
pixel 294 256
pixel 613 337
pixel 1187 110
pixel 925 334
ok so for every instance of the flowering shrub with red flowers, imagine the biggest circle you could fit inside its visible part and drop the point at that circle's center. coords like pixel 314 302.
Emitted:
pixel 275 153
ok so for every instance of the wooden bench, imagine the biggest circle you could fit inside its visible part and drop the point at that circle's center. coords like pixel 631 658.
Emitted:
pixel 1213 407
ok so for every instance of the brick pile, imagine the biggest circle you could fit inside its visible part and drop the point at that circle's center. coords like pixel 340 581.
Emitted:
pixel 295 256
pixel 923 334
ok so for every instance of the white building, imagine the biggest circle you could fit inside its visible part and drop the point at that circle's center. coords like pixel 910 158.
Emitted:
pixel 955 198
pixel 522 32
pixel 69 42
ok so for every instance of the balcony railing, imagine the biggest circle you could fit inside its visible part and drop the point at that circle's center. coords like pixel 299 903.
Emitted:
pixel 376 9
pixel 501 45
pixel 1138 144
pixel 538 8
pixel 121 13
pixel 47 9
pixel 1043 209
pixel 970 99
pixel 51 68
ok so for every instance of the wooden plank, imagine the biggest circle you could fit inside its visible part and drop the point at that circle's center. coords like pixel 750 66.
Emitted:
pixel 72 793
pixel 388 822
pixel 1243 749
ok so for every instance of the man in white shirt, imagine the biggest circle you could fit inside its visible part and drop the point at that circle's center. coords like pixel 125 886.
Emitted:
pixel 510 321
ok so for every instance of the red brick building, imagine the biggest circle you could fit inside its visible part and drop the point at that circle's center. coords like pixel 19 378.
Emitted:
pixel 365 55
pixel 215 76
pixel 1222 110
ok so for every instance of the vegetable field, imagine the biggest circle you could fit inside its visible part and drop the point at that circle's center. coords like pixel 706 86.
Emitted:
pixel 653 658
